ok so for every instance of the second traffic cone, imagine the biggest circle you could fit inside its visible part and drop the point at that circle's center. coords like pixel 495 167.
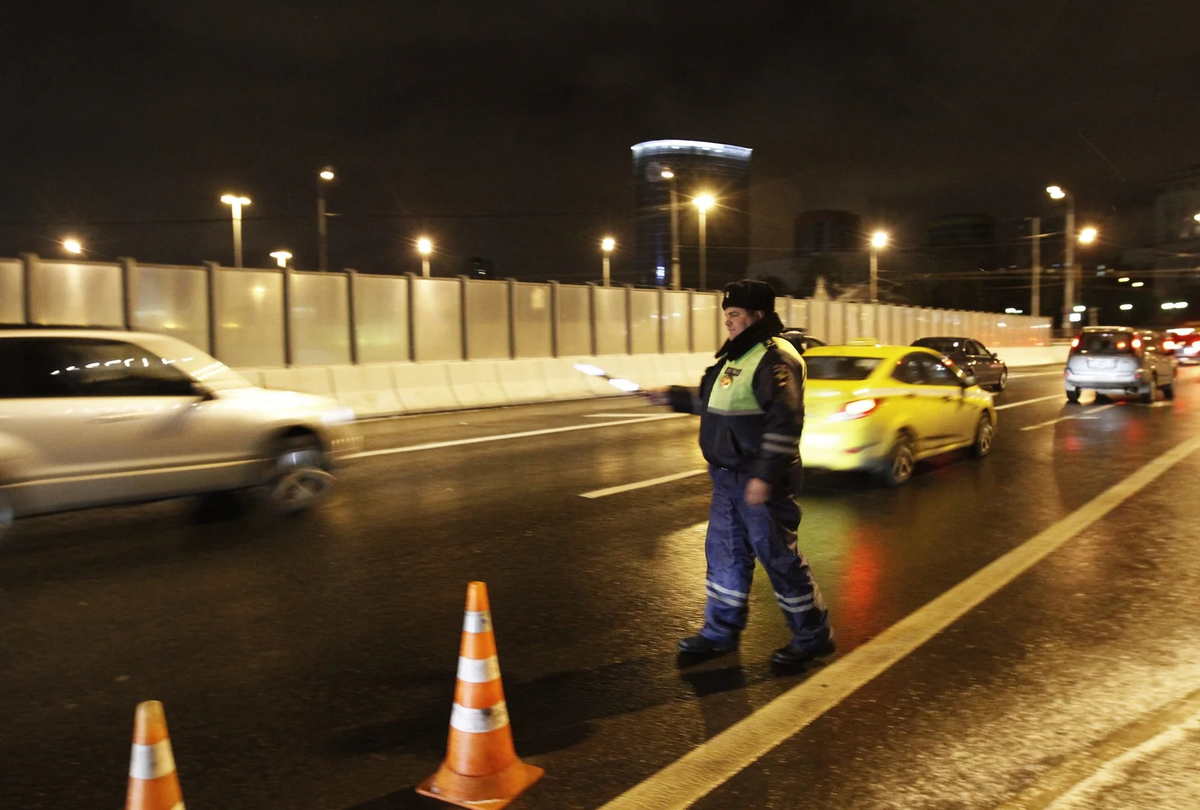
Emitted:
pixel 481 768
pixel 153 782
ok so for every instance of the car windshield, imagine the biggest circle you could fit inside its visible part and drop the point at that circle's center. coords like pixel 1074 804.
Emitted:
pixel 1106 343
pixel 943 345
pixel 201 367
pixel 828 367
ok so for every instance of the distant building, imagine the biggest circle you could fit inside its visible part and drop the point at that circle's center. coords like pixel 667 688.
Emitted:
pixel 826 232
pixel 479 267
pixel 699 167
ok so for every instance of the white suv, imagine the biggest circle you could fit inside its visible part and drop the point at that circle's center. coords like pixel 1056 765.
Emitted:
pixel 90 418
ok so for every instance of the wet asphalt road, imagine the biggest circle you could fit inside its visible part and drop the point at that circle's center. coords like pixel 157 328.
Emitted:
pixel 310 663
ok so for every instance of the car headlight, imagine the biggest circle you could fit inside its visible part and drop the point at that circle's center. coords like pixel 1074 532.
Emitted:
pixel 341 416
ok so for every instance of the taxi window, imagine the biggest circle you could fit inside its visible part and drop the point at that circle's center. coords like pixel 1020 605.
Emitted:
pixel 937 372
pixel 828 367
pixel 908 369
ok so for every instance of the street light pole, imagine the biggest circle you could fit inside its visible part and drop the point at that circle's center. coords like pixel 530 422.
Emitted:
pixel 235 203
pixel 879 240
pixel 1035 301
pixel 323 177
pixel 606 246
pixel 424 247
pixel 703 203
pixel 1069 293
pixel 676 282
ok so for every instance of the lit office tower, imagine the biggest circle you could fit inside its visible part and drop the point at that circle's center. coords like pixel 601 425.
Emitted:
pixel 692 169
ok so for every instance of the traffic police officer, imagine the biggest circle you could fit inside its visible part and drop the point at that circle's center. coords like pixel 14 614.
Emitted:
pixel 751 408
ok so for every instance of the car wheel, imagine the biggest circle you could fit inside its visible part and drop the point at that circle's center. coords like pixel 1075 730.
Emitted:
pixel 300 477
pixel 1002 383
pixel 1149 395
pixel 1072 395
pixel 899 465
pixel 984 434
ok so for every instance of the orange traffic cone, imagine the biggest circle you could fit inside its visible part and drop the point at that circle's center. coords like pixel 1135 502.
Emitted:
pixel 481 767
pixel 153 783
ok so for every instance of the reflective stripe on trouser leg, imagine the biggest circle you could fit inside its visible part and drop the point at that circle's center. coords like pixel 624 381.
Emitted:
pixel 730 562
pixel 772 534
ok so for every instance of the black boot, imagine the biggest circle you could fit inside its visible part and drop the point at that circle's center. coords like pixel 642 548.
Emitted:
pixel 703 645
pixel 795 655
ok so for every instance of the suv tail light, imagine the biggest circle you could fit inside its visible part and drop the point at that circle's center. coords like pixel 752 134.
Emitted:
pixel 1075 343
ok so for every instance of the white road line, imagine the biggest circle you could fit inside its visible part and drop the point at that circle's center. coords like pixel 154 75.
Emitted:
pixel 1087 415
pixel 601 493
pixel 707 767
pixel 1057 373
pixel 415 448
pixel 1063 397
pixel 627 415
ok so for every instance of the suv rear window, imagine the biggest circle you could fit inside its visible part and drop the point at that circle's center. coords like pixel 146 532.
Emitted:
pixel 840 368
pixel 1106 343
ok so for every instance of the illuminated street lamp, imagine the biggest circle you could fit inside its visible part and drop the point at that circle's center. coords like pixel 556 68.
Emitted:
pixel 424 247
pixel 1123 279
pixel 72 246
pixel 1126 307
pixel 606 247
pixel 668 174
pixel 281 257
pixel 1087 236
pixel 1138 284
pixel 704 202
pixel 324 176
pixel 879 241
pixel 235 203
pixel 1057 193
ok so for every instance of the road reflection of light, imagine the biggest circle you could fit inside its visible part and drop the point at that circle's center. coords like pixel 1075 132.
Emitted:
pixel 860 581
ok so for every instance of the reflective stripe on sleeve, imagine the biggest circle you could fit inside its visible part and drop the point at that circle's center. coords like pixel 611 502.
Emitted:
pixel 781 438
pixel 474 670
pixel 477 621
pixel 479 721
pixel 151 761
pixel 781 449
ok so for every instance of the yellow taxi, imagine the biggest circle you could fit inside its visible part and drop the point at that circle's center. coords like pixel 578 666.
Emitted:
pixel 884 408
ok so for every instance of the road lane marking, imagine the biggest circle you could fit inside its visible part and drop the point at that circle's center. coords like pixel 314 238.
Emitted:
pixel 626 415
pixel 601 493
pixel 1075 782
pixel 1030 401
pixel 1087 415
pixel 416 448
pixel 1036 374
pixel 710 765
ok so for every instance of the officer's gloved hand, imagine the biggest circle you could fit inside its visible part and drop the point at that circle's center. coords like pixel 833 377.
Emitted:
pixel 657 396
pixel 757 492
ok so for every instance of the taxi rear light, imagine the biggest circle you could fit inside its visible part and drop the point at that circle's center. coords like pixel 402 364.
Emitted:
pixel 1075 343
pixel 855 409
pixel 1136 343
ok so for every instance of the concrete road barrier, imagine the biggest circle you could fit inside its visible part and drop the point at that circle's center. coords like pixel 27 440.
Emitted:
pixel 367 389
pixel 424 387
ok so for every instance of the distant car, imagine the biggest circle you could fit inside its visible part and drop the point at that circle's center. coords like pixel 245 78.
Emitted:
pixel 800 339
pixel 1116 360
pixel 884 408
pixel 1186 348
pixel 91 418
pixel 969 354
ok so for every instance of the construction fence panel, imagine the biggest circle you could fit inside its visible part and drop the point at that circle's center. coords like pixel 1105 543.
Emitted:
pixel 818 320
pixel 676 318
pixel 573 313
pixel 76 294
pixel 437 319
pixel 798 314
pixel 12 292
pixel 487 320
pixel 612 327
pixel 171 301
pixel 643 321
pixel 532 327
pixel 381 319
pixel 706 319
pixel 320 319
pixel 249 318
pixel 836 322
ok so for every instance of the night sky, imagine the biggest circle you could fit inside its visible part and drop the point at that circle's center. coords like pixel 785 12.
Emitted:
pixel 134 117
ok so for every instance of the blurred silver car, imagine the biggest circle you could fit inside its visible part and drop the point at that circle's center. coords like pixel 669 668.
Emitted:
pixel 1119 360
pixel 90 418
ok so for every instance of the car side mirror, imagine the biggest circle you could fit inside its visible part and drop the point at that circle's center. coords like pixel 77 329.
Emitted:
pixel 967 379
